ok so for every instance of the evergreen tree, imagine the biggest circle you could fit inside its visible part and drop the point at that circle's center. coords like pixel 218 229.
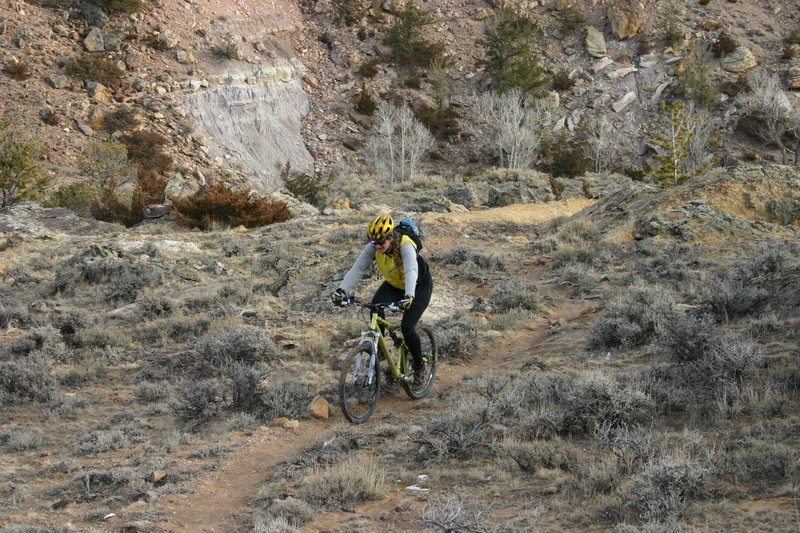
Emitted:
pixel 675 163
pixel 20 174
pixel 404 35
pixel 508 57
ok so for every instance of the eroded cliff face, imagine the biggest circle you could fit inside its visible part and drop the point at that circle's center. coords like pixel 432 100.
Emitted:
pixel 252 120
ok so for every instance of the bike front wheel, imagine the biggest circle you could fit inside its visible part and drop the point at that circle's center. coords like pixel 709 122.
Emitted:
pixel 420 385
pixel 359 386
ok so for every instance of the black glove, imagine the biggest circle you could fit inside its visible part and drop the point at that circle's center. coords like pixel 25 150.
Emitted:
pixel 338 296
pixel 405 304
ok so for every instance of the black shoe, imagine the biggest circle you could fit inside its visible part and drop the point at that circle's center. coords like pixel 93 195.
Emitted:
pixel 418 378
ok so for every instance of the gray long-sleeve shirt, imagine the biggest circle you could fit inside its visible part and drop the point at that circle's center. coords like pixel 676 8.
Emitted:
pixel 407 253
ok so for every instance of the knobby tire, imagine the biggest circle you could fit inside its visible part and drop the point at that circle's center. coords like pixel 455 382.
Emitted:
pixel 430 355
pixel 357 397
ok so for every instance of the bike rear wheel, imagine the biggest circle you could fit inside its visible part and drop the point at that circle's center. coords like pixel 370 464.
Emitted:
pixel 358 390
pixel 428 373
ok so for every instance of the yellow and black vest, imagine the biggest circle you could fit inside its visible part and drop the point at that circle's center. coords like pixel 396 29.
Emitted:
pixel 393 270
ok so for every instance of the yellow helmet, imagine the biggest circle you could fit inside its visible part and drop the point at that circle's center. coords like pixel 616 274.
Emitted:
pixel 380 228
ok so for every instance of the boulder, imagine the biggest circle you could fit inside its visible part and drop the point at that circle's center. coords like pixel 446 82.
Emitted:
pixel 94 40
pixel 96 90
pixel 185 57
pixel 740 60
pixel 621 104
pixel 157 210
pixel 93 14
pixel 297 208
pixel 595 42
pixel 319 408
pixel 794 78
pixel 626 19
pixel 461 194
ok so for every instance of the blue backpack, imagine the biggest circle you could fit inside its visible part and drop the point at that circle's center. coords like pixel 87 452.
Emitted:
pixel 409 226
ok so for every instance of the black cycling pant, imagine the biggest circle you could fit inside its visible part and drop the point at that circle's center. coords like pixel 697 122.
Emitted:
pixel 387 293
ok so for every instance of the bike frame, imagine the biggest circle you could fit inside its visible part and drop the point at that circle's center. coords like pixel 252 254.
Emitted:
pixel 398 365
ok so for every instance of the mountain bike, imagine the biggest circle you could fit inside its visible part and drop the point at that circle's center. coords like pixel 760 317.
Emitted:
pixel 361 373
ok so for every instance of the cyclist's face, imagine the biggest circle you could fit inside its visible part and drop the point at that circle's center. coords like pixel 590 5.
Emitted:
pixel 382 247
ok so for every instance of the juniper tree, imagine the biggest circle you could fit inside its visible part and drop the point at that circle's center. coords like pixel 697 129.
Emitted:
pixel 21 176
pixel 508 58
pixel 675 162
pixel 404 36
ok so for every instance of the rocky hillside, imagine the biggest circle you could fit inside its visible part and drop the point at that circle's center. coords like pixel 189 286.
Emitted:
pixel 240 88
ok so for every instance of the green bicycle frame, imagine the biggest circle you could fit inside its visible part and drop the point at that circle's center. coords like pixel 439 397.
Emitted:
pixel 399 365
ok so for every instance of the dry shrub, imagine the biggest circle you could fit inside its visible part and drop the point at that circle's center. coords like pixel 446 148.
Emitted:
pixel 237 344
pixel 664 489
pixel 18 439
pixel 723 45
pixel 632 446
pixel 149 392
pixel 455 513
pixel 562 81
pixel 640 315
pixel 121 119
pixel 461 433
pixel 687 338
pixel 596 400
pixel 307 187
pixel 750 460
pixel 126 6
pixel 25 382
pixel 99 441
pixel 199 402
pixel 470 259
pixel 273 524
pixel 89 67
pixel 146 149
pixel 355 480
pixel 287 397
pixel 18 70
pixel 456 336
pixel 296 512
pixel 532 455
pixel 220 204
pixel 729 296
pixel 442 123
pixel 513 293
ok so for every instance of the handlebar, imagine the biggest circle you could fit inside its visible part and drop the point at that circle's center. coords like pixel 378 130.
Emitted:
pixel 352 300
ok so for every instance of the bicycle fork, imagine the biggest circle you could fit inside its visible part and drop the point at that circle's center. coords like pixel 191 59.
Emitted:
pixel 371 338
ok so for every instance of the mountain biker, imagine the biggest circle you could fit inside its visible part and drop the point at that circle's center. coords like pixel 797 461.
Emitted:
pixel 407 280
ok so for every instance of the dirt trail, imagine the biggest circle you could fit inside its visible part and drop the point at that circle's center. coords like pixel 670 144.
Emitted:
pixel 220 499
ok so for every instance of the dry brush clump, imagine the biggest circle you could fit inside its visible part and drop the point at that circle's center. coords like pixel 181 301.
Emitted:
pixel 514 293
pixel 236 343
pixel 24 382
pixel 470 260
pixel 221 204
pixel 456 336
pixel 455 512
pixel 665 488
pixel 286 397
pixel 635 319
pixel 354 480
